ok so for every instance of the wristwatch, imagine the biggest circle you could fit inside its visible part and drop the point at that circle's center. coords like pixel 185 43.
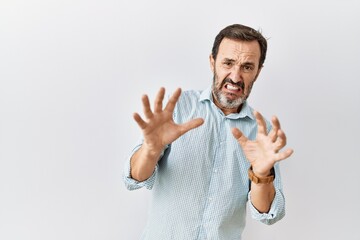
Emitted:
pixel 257 179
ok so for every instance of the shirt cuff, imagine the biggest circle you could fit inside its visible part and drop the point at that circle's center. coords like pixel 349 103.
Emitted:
pixel 132 184
pixel 277 209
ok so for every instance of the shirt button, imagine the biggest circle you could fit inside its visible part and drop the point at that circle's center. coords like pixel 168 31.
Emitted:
pixel 210 199
pixel 215 170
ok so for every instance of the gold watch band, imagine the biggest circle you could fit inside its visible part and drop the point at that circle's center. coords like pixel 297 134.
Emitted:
pixel 257 179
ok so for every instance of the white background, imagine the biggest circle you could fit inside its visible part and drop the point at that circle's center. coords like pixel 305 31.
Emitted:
pixel 73 72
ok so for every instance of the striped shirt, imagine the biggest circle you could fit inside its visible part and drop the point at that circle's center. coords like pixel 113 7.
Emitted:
pixel 200 186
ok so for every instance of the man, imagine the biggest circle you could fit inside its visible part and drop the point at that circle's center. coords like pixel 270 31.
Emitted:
pixel 207 153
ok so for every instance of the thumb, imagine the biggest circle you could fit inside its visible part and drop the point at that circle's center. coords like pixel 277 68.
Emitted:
pixel 239 135
pixel 285 154
pixel 185 127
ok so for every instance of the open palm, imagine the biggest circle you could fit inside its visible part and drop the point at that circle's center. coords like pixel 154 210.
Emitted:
pixel 263 152
pixel 159 128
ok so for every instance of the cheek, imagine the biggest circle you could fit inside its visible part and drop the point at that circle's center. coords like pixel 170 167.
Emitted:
pixel 218 81
pixel 219 77
pixel 248 86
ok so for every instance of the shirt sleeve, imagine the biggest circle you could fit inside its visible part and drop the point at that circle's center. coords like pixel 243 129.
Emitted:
pixel 277 209
pixel 132 184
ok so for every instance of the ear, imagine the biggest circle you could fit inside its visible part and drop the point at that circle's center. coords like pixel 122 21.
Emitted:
pixel 258 73
pixel 212 63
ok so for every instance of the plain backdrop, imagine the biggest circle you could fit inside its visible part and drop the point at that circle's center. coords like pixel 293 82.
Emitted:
pixel 73 72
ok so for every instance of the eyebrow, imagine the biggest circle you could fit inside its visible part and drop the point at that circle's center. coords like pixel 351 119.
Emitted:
pixel 243 64
pixel 228 60
pixel 248 64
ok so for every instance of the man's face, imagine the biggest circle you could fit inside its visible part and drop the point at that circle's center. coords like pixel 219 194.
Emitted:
pixel 235 71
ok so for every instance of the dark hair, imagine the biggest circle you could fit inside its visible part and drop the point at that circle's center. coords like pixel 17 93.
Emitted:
pixel 243 33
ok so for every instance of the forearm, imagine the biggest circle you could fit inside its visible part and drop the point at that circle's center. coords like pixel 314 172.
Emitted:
pixel 143 163
pixel 262 195
pixel 267 199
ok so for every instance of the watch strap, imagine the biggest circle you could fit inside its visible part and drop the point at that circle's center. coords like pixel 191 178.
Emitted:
pixel 257 179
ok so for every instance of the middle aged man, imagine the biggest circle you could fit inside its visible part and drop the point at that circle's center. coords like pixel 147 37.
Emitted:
pixel 202 179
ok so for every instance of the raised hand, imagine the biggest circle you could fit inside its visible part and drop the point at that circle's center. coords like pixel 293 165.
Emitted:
pixel 263 152
pixel 159 128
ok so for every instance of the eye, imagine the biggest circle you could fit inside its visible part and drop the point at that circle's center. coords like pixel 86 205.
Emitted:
pixel 248 68
pixel 227 64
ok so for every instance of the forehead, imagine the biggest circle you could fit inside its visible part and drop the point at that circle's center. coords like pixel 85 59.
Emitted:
pixel 239 50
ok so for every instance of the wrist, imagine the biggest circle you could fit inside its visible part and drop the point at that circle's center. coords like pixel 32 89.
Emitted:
pixel 263 178
pixel 262 174
pixel 150 152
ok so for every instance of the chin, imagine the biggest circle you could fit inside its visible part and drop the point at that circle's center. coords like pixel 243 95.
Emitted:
pixel 230 103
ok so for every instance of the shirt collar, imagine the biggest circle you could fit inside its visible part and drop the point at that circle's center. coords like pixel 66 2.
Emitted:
pixel 246 110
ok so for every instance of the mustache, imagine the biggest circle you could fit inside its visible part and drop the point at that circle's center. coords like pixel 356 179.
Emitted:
pixel 228 80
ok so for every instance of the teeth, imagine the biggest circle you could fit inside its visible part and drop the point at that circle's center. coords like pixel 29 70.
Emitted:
pixel 230 87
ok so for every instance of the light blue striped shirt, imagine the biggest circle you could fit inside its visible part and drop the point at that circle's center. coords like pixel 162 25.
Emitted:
pixel 200 186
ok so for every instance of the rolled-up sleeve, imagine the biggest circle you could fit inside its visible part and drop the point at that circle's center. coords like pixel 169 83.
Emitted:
pixel 277 209
pixel 132 184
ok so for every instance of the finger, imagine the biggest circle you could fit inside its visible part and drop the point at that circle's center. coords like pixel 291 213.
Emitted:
pixel 185 127
pixel 146 107
pixel 240 137
pixel 280 141
pixel 173 100
pixel 285 154
pixel 159 100
pixel 142 124
pixel 261 123
pixel 275 121
pixel 275 127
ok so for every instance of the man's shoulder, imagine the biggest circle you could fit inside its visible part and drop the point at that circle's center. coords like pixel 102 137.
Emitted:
pixel 190 96
pixel 198 94
pixel 192 93
pixel 189 101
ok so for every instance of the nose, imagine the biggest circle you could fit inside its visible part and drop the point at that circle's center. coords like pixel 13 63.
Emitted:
pixel 235 74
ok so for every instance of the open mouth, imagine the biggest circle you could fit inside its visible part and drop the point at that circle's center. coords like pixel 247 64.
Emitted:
pixel 232 88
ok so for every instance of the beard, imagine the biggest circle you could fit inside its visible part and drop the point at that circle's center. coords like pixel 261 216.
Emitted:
pixel 221 98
